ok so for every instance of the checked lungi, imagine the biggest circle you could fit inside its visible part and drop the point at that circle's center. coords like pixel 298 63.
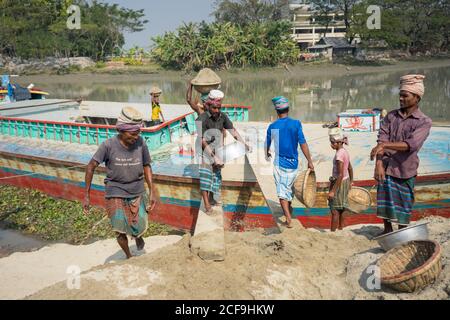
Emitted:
pixel 395 199
pixel 128 215
pixel 210 179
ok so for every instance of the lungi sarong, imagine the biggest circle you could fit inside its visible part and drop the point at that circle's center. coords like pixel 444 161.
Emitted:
pixel 340 200
pixel 395 198
pixel 284 180
pixel 210 179
pixel 128 215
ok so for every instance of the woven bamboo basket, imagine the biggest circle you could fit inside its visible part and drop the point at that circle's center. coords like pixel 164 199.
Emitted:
pixel 359 200
pixel 412 266
pixel 206 80
pixel 305 188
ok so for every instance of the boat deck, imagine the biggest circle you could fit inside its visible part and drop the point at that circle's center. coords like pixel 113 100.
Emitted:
pixel 176 158
pixel 69 110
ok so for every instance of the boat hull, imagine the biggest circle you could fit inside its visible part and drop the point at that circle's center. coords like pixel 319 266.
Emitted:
pixel 179 197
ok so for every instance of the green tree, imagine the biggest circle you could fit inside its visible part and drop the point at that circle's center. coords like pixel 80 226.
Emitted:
pixel 244 12
pixel 411 25
pixel 38 28
pixel 224 45
pixel 324 11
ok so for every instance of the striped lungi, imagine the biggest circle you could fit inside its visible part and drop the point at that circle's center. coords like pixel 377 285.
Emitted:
pixel 210 179
pixel 128 215
pixel 395 199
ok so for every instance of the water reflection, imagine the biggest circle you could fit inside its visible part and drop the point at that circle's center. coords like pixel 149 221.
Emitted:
pixel 316 100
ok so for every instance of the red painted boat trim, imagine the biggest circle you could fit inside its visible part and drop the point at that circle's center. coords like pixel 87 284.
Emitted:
pixel 184 217
pixel 435 178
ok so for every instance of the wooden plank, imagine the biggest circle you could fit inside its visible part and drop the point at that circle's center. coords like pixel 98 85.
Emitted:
pixel 208 241
pixel 109 109
pixel 263 172
pixel 32 103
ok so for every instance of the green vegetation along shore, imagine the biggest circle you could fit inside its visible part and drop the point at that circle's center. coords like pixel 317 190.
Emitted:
pixel 33 212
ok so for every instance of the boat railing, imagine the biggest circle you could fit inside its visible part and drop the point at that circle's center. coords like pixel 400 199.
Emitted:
pixel 95 134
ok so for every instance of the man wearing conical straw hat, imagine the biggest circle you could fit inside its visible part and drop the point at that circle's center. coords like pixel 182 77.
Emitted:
pixel 402 134
pixel 127 161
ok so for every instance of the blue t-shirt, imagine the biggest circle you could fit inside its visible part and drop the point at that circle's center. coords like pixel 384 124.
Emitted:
pixel 287 134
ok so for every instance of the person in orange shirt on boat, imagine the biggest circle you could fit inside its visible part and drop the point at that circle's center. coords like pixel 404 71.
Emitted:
pixel 127 161
pixel 155 94
pixel 402 135
pixel 341 179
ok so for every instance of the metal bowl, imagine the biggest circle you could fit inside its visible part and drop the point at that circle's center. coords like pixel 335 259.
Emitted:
pixel 394 239
pixel 231 152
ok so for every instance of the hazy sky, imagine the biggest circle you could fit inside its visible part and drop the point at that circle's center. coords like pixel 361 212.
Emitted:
pixel 164 15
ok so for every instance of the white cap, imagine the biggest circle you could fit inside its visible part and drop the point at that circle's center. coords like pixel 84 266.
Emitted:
pixel 216 94
pixel 336 134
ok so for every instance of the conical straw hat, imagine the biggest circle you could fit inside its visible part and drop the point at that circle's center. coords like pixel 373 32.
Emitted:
pixel 155 90
pixel 130 115
pixel 206 77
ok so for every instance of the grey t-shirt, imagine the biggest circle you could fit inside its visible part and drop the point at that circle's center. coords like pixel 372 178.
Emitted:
pixel 124 167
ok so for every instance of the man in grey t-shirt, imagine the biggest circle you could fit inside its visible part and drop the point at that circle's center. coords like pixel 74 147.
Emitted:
pixel 124 167
pixel 127 162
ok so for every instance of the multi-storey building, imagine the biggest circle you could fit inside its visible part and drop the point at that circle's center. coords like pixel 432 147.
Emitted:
pixel 307 31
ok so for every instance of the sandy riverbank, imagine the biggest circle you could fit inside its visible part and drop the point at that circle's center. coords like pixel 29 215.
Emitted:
pixel 306 71
pixel 297 264
pixel 24 273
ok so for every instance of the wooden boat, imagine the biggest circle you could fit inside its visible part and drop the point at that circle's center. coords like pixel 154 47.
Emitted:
pixel 92 122
pixel 9 96
pixel 38 154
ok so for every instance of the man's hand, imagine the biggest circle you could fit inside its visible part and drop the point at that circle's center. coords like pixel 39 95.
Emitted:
pixel 268 155
pixel 330 195
pixel 152 202
pixel 379 149
pixel 218 163
pixel 310 165
pixel 86 204
pixel 380 172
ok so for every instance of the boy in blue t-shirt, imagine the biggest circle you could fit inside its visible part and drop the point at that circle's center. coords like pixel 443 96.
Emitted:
pixel 287 134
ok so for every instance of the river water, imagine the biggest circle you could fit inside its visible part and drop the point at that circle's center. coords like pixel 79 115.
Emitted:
pixel 313 99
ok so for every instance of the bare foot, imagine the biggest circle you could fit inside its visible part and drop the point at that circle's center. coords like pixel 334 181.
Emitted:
pixel 209 211
pixel 140 243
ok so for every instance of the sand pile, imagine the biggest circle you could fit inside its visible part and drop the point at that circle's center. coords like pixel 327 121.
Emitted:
pixel 297 264
pixel 24 273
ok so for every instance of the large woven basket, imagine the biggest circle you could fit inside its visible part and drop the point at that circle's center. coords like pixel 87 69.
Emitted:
pixel 412 266
pixel 305 188
pixel 206 80
pixel 359 200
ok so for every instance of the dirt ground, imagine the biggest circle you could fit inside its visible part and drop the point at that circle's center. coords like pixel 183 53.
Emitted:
pixel 296 264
